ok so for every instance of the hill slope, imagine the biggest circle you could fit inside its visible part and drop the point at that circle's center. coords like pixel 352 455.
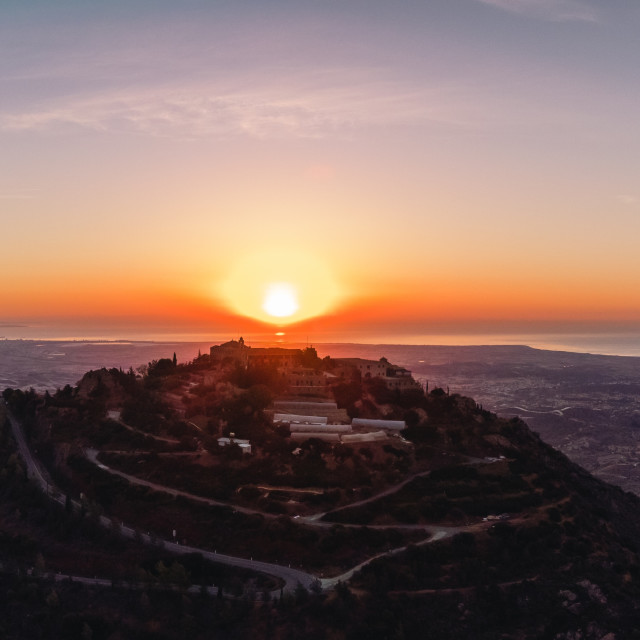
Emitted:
pixel 523 544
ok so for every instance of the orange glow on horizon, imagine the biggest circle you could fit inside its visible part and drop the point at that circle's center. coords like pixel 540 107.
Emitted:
pixel 365 299
pixel 280 287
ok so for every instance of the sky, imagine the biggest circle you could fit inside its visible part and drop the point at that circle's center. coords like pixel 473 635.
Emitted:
pixel 407 167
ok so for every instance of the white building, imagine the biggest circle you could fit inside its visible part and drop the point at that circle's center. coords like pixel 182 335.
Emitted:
pixel 245 445
pixel 293 418
pixel 388 425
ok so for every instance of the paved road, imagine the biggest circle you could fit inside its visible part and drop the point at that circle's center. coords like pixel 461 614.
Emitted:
pixel 291 577
pixel 146 434
pixel 330 583
pixel 92 455
pixel 433 532
pixel 33 469
pixel 312 520
pixel 388 492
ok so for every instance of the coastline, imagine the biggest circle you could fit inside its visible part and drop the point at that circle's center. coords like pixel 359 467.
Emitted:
pixel 606 344
pixel 52 363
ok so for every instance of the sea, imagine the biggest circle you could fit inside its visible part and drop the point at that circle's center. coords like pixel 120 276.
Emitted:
pixel 624 343
pixel 46 358
pixel 619 343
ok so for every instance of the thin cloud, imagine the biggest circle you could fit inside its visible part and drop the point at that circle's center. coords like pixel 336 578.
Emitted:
pixel 195 111
pixel 319 104
pixel 175 116
pixel 550 10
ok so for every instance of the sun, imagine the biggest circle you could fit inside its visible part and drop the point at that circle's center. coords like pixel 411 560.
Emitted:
pixel 280 300
pixel 280 286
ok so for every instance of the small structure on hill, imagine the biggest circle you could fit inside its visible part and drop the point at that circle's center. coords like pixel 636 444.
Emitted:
pixel 306 381
pixel 394 376
pixel 370 436
pixel 293 418
pixel 387 425
pixel 327 410
pixel 233 351
pixel 238 352
pixel 245 445
pixel 278 357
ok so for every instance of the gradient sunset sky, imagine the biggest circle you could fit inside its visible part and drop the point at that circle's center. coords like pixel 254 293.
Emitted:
pixel 412 166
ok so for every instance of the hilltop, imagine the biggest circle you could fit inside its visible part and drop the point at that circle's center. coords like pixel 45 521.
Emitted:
pixel 451 509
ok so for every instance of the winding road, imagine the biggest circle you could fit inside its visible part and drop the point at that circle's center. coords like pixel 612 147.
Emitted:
pixel 292 577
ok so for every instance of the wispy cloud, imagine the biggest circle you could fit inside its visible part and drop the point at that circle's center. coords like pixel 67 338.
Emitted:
pixel 304 111
pixel 182 115
pixel 551 10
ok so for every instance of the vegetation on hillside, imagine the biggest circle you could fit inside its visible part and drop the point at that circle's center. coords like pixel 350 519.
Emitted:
pixel 524 543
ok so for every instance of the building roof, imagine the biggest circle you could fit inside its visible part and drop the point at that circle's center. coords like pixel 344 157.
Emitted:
pixel 239 441
pixel 305 403
pixel 232 344
pixel 396 425
pixel 298 419
pixel 273 351
pixel 357 361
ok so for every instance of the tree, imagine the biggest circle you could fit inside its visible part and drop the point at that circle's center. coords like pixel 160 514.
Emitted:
pixel 162 367
pixel 300 593
pixel 316 587
pixel 259 396
pixel 52 599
